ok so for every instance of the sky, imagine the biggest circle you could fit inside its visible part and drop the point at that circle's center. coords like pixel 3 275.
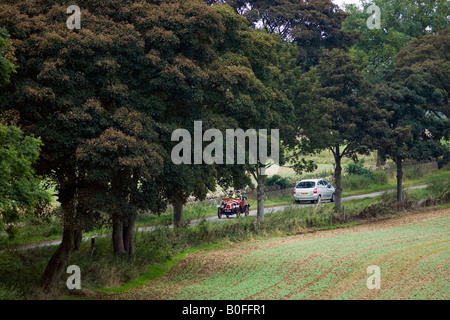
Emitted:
pixel 341 3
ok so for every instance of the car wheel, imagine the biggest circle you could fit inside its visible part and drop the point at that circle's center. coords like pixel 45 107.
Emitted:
pixel 332 198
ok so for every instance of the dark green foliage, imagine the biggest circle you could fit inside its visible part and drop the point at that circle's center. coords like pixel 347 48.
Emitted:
pixel 311 25
pixel 277 180
pixel 356 122
pixel 416 95
pixel 6 64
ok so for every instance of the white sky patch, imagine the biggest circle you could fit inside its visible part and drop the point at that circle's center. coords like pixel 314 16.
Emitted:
pixel 341 3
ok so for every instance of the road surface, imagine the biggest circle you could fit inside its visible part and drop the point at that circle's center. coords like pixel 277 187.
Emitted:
pixel 216 219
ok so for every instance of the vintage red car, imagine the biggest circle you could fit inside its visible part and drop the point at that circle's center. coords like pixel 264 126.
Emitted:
pixel 231 206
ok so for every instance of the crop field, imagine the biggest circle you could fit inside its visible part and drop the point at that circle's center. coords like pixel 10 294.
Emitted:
pixel 412 252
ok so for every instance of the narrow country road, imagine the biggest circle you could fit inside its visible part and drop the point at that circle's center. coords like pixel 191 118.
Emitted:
pixel 280 208
pixel 216 219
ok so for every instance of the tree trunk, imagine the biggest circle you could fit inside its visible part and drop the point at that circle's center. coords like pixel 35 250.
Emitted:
pixel 77 238
pixel 123 222
pixel 260 195
pixel 399 179
pixel 337 180
pixel 128 238
pixel 59 260
pixel 117 235
pixel 123 236
pixel 70 241
pixel 381 159
pixel 177 213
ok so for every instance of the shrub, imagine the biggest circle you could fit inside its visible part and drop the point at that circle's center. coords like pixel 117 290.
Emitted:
pixel 358 169
pixel 277 180
pixel 359 177
pixel 440 189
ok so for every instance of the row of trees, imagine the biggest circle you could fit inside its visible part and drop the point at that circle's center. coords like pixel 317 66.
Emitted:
pixel 105 99
pixel 407 63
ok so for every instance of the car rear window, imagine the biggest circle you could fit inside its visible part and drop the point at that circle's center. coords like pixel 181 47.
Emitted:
pixel 306 184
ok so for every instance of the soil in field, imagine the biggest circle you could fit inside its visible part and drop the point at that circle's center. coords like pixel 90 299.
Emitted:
pixel 412 252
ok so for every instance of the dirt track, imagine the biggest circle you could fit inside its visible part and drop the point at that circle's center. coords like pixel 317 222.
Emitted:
pixel 411 250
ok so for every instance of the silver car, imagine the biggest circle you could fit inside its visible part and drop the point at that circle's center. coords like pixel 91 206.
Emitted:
pixel 314 190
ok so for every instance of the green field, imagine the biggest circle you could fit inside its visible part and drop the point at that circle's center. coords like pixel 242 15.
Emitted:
pixel 411 251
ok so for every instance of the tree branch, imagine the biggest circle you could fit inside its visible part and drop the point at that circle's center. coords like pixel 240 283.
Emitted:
pixel 347 147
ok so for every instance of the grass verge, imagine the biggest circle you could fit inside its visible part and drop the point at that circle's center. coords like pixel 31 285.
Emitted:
pixel 155 271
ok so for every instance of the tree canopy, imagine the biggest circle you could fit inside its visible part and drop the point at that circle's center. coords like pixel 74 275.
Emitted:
pixel 312 25
pixel 400 22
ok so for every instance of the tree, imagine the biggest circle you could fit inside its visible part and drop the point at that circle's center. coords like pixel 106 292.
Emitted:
pixel 241 92
pixel 186 83
pixel 304 131
pixel 105 100
pixel 416 94
pixel 423 65
pixel 400 22
pixel 257 100
pixel 356 122
pixel 85 94
pixel 311 26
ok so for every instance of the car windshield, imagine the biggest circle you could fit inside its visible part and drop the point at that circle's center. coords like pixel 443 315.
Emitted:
pixel 306 184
